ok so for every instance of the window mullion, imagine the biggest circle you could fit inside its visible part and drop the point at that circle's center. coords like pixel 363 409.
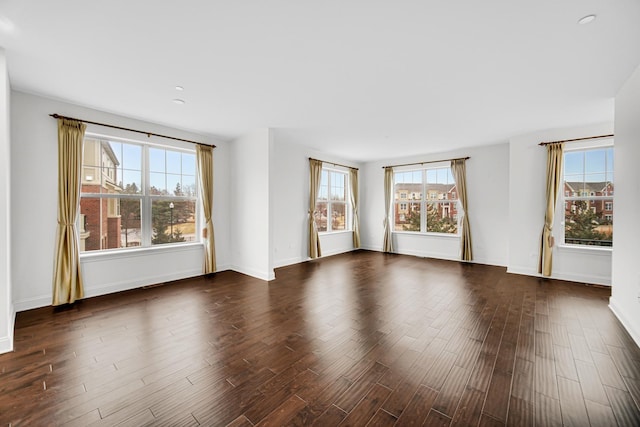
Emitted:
pixel 423 203
pixel 146 199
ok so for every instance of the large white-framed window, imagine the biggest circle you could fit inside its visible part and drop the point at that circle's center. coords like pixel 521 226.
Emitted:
pixel 433 205
pixel 135 194
pixel 588 192
pixel 333 209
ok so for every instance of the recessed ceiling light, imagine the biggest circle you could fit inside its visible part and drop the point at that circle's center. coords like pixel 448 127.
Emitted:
pixel 178 101
pixel 180 88
pixel 586 19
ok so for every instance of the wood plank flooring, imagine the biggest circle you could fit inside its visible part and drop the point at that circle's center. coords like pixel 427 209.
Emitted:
pixel 356 339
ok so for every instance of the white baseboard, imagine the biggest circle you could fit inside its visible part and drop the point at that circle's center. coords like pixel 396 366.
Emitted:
pixel 336 252
pixel 6 343
pixel 579 278
pixel 619 313
pixel 288 261
pixel 223 267
pixel 31 303
pixel 254 273
pixel 124 285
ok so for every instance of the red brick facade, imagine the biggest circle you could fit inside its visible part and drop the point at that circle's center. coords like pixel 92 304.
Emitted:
pixel 96 218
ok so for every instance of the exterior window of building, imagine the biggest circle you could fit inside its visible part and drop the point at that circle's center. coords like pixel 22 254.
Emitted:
pixel 588 213
pixel 136 195
pixel 332 205
pixel 436 208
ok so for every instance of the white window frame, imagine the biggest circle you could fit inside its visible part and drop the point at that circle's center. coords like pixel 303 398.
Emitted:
pixel 329 202
pixel 425 200
pixel 146 198
pixel 576 196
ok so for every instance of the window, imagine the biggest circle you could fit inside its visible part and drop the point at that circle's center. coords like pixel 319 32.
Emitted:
pixel 332 205
pixel 136 195
pixel 588 177
pixel 436 212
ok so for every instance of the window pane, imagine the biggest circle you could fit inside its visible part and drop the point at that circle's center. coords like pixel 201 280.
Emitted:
pixel 589 220
pixel 91 153
pixel 131 157
pixel 324 193
pixel 157 183
pixel 408 177
pixel 408 185
pixel 595 181
pixel 441 192
pixel 442 217
pixel 188 164
pixel 338 216
pixel 91 180
pixel 407 216
pixel 320 216
pixel 108 223
pixel 173 221
pixel 337 181
pixel 174 186
pixel 574 163
pixel 443 176
pixel 131 182
pixel 156 160
pixel 130 222
pixel 432 175
pixel 174 162
pixel 189 185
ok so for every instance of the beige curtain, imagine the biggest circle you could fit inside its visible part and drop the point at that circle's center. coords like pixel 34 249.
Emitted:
pixel 355 203
pixel 204 155
pixel 459 170
pixel 315 172
pixel 554 178
pixel 67 278
pixel 387 244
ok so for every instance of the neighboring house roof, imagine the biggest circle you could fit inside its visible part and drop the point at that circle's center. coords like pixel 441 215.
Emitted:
pixel 413 187
pixel 596 187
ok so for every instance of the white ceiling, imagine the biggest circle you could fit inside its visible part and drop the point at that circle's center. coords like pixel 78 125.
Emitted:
pixel 361 79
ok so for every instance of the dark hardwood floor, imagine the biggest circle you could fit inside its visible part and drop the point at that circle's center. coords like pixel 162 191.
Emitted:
pixel 357 339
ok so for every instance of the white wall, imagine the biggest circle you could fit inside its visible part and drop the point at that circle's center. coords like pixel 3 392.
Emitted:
pixel 487 190
pixel 34 200
pixel 250 204
pixel 7 314
pixel 625 293
pixel 527 181
pixel 290 197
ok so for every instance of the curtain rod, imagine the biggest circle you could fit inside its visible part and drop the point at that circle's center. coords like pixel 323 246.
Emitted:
pixel 149 134
pixel 424 163
pixel 334 164
pixel 576 139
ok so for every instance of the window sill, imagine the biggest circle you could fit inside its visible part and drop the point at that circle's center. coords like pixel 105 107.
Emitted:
pixel 137 252
pixel 331 233
pixel 417 233
pixel 591 250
